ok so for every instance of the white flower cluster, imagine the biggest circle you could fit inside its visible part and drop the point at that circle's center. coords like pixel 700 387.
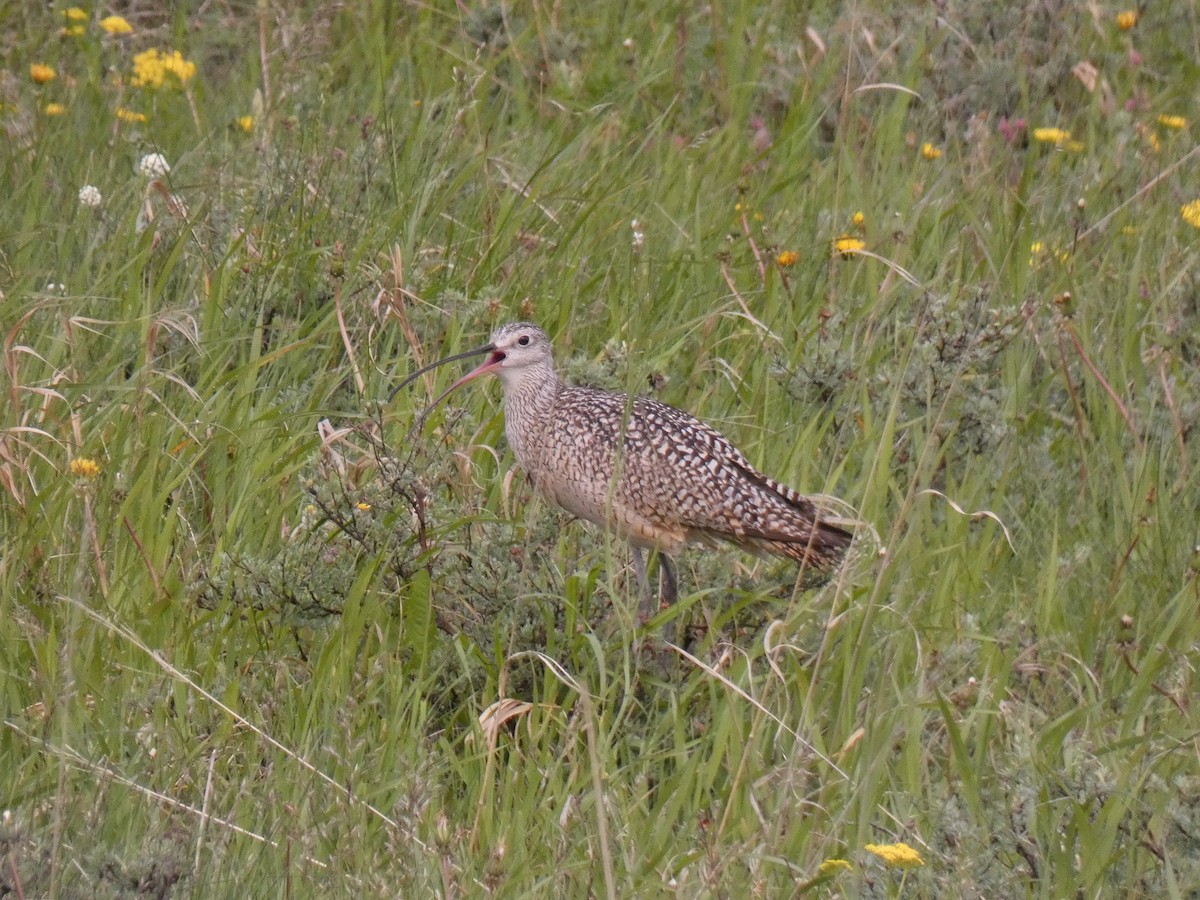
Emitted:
pixel 153 165
pixel 89 196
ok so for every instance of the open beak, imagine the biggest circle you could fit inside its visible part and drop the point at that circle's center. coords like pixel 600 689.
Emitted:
pixel 491 364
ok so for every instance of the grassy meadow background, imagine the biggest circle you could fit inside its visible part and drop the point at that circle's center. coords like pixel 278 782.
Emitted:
pixel 260 636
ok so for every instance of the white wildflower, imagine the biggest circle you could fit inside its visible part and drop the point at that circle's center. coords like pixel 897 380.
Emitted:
pixel 89 196
pixel 639 237
pixel 153 165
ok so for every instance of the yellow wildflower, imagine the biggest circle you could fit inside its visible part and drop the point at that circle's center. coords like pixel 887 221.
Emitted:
pixel 1191 213
pixel 1051 135
pixel 72 31
pixel 1126 19
pixel 848 246
pixel 787 258
pixel 1175 122
pixel 831 867
pixel 83 467
pixel 129 115
pixel 115 25
pixel 41 73
pixel 858 219
pixel 1152 140
pixel 151 68
pixel 147 69
pixel 246 123
pixel 901 855
pixel 75 14
pixel 179 67
pixel 929 151
pixel 54 109
pixel 362 506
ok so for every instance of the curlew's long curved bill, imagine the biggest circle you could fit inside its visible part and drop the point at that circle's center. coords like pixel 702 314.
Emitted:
pixel 495 357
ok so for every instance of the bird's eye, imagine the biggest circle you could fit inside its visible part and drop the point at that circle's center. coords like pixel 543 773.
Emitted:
pixel 523 340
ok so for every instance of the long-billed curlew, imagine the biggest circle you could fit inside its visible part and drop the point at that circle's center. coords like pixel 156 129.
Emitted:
pixel 654 474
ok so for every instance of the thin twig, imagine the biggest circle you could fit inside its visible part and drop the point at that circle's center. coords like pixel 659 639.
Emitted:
pixel 508 181
pixel 158 591
pixel 1176 419
pixel 16 876
pixel 1125 414
pixel 73 756
pixel 262 56
pixel 205 815
pixel 1148 186
pixel 1078 408
pixel 346 342
pixel 737 689
pixel 746 309
pixel 163 663
pixel 762 267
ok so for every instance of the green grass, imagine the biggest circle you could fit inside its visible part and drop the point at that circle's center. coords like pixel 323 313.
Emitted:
pixel 259 653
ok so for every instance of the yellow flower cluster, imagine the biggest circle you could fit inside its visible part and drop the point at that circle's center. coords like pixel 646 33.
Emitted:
pixel 115 25
pixel 1051 135
pixel 75 16
pixel 930 152
pixel 831 867
pixel 848 246
pixel 54 109
pixel 858 219
pixel 151 68
pixel 1191 213
pixel 41 73
pixel 1175 122
pixel 129 115
pixel 787 258
pixel 77 19
pixel 246 123
pixel 84 467
pixel 1126 19
pixel 900 855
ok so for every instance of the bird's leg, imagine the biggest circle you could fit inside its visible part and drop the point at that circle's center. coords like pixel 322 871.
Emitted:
pixel 650 605
pixel 646 605
pixel 670 591
pixel 670 583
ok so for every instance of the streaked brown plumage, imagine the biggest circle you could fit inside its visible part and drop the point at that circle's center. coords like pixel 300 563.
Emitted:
pixel 654 474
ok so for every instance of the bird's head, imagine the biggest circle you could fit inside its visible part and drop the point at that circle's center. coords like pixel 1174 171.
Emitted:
pixel 515 351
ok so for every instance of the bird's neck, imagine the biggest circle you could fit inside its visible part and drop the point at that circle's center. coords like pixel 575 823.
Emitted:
pixel 528 407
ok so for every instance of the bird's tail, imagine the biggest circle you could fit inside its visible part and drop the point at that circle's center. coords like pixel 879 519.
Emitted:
pixel 823 550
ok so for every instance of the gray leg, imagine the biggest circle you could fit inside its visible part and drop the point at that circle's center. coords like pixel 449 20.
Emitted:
pixel 670 591
pixel 646 607
pixel 649 605
pixel 670 583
